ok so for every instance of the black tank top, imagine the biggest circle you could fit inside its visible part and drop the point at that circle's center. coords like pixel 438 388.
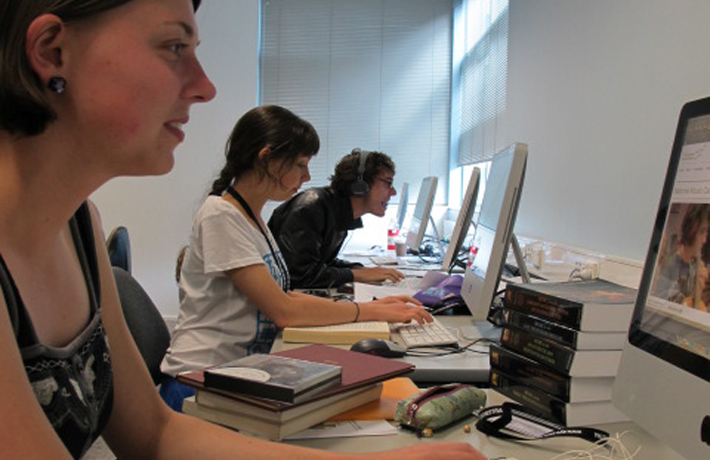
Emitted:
pixel 73 384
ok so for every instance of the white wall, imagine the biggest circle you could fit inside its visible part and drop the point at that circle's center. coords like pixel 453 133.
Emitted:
pixel 158 211
pixel 595 89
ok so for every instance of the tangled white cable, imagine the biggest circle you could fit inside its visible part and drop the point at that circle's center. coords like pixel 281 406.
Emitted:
pixel 612 448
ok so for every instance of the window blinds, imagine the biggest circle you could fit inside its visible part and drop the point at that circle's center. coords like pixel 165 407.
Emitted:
pixel 373 74
pixel 481 35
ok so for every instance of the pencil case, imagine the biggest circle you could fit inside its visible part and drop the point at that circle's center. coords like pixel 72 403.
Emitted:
pixel 439 406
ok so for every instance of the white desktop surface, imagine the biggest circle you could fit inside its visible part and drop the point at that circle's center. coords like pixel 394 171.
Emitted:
pixel 651 449
pixel 466 367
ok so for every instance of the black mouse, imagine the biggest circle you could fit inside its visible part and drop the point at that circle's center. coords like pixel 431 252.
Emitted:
pixel 379 347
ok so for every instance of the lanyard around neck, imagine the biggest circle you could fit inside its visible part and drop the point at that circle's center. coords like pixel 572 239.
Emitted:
pixel 285 279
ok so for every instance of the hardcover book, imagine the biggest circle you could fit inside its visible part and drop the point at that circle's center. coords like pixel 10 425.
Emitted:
pixel 593 305
pixel 555 409
pixel 579 340
pixel 576 363
pixel 273 377
pixel 358 370
pixel 276 425
pixel 534 374
pixel 342 334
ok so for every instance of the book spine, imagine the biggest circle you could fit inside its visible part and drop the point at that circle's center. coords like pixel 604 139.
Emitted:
pixel 545 405
pixel 542 350
pixel 528 323
pixel 531 372
pixel 555 309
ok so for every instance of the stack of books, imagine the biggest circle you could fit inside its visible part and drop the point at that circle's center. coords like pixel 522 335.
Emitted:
pixel 560 348
pixel 277 395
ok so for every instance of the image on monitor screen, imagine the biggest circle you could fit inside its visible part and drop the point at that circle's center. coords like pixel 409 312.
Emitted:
pixel 422 213
pixel 663 382
pixel 463 222
pixel 494 229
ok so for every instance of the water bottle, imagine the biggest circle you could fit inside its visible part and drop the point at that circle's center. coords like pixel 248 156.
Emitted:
pixel 392 234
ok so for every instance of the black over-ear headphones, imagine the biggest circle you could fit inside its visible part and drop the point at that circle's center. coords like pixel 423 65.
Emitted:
pixel 360 187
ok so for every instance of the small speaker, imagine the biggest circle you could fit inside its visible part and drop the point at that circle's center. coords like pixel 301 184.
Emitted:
pixel 360 187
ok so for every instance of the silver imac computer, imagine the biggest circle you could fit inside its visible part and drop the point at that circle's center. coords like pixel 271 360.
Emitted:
pixel 663 383
pixel 494 229
pixel 463 223
pixel 403 203
pixel 422 213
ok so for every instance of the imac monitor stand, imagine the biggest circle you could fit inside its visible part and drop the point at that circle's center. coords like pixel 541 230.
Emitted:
pixel 663 382
pixel 422 213
pixel 463 221
pixel 494 229
pixel 403 202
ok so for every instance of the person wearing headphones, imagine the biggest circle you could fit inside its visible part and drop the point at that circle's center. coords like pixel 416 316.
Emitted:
pixel 311 227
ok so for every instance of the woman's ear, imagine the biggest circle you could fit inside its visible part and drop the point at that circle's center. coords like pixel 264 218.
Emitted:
pixel 264 154
pixel 43 46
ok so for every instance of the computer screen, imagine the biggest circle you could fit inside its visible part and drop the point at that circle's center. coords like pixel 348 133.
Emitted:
pixel 494 228
pixel 463 220
pixel 422 213
pixel 663 383
pixel 403 202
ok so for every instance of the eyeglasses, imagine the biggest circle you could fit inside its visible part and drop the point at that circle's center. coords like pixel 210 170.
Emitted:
pixel 388 183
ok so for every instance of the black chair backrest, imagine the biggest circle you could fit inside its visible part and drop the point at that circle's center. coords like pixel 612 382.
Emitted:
pixel 145 322
pixel 119 248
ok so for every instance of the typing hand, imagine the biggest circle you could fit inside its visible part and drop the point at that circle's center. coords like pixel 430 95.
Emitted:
pixel 377 274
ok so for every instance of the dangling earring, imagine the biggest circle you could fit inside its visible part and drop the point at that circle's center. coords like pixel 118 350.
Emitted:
pixel 57 84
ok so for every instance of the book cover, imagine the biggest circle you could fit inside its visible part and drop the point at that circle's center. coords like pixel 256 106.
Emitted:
pixel 579 340
pixel 274 377
pixel 555 409
pixel 342 334
pixel 576 363
pixel 305 417
pixel 393 391
pixel 593 305
pixel 357 370
pixel 534 374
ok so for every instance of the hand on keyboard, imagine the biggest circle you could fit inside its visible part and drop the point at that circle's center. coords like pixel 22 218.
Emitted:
pixel 409 283
pixel 376 274
pixel 432 334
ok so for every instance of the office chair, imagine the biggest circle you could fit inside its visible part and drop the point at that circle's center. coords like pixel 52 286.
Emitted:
pixel 145 322
pixel 119 248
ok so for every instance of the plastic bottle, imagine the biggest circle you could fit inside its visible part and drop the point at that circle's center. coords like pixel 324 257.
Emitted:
pixel 392 234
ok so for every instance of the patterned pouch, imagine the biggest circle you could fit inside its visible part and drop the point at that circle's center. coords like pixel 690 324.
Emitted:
pixel 439 406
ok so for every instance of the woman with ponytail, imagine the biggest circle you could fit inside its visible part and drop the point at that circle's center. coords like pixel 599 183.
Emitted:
pixel 234 284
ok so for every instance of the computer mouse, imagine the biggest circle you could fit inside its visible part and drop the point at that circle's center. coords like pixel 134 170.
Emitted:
pixel 379 347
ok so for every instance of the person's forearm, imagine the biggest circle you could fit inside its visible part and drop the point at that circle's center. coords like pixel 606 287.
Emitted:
pixel 307 310
pixel 212 442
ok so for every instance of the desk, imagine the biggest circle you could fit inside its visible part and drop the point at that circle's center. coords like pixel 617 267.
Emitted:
pixel 466 367
pixel 651 449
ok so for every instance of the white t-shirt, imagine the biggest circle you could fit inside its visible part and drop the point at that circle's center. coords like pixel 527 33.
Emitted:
pixel 217 323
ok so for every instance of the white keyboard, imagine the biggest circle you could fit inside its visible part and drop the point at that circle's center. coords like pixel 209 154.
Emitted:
pixel 384 260
pixel 410 282
pixel 432 334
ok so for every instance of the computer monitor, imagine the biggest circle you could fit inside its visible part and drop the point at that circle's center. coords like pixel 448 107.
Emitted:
pixel 422 213
pixel 494 229
pixel 403 202
pixel 663 383
pixel 463 221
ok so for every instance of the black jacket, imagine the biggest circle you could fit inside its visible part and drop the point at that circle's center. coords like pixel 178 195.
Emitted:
pixel 310 229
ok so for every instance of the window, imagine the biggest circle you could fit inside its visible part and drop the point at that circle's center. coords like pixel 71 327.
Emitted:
pixel 374 74
pixel 479 83
pixel 479 77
